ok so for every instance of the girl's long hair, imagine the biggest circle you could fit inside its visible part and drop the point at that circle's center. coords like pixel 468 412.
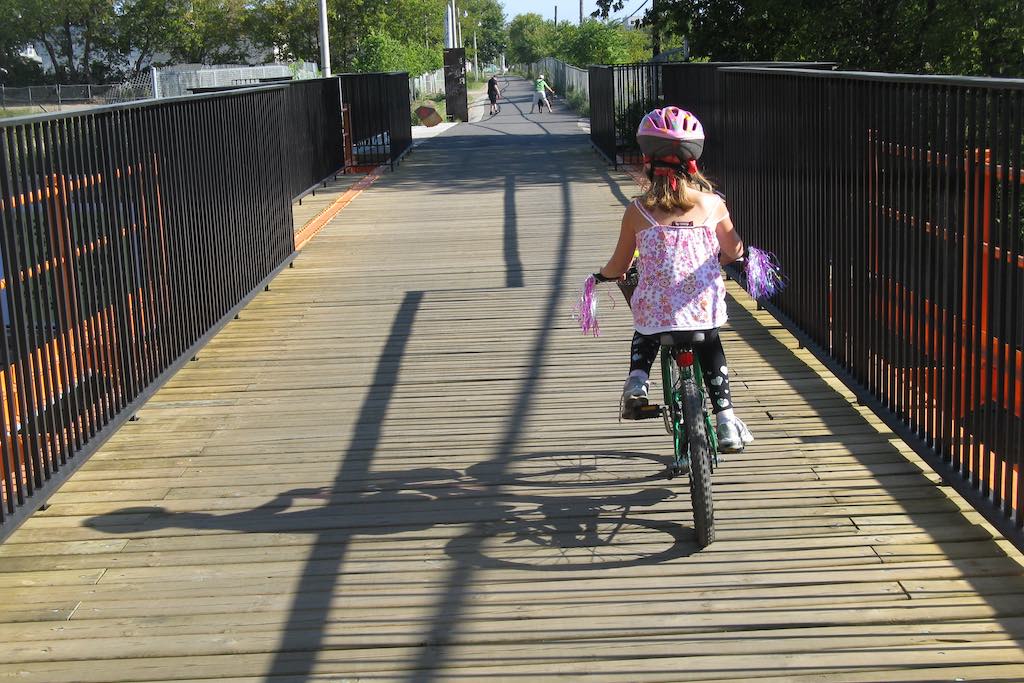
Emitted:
pixel 661 195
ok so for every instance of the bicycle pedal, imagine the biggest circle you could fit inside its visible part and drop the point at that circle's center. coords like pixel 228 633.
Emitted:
pixel 651 411
pixel 676 470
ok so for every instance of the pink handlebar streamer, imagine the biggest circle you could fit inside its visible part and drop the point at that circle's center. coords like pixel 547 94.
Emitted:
pixel 763 274
pixel 585 310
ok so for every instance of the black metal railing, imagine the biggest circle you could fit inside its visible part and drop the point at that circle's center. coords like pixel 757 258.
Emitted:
pixel 895 205
pixel 624 93
pixel 697 87
pixel 128 235
pixel 602 110
pixel 637 88
pixel 315 146
pixel 381 116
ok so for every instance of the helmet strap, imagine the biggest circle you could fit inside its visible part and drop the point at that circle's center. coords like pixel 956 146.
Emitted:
pixel 670 170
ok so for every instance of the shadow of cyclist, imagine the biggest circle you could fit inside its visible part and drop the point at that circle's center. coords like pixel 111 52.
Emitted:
pixel 562 526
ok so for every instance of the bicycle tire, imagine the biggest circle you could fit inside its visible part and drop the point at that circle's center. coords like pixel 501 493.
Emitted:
pixel 700 462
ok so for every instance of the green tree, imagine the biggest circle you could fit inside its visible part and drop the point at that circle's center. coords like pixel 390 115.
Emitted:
pixel 415 21
pixel 597 42
pixel 980 37
pixel 530 38
pixel 77 35
pixel 379 51
pixel 210 32
pixel 144 28
pixel 14 69
pixel 289 26
pixel 487 19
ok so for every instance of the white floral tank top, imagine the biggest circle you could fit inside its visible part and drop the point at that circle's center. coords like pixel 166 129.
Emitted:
pixel 680 285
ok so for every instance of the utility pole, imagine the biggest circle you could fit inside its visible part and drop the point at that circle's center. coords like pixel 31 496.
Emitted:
pixel 581 12
pixel 325 45
pixel 556 15
pixel 448 39
pixel 655 35
pixel 476 60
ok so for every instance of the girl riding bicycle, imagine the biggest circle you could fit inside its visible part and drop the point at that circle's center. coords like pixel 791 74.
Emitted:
pixel 682 233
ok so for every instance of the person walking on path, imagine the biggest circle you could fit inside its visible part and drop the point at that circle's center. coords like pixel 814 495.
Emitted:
pixel 541 88
pixel 492 93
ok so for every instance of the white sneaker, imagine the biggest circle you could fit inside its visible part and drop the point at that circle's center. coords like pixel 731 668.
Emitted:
pixel 733 436
pixel 634 397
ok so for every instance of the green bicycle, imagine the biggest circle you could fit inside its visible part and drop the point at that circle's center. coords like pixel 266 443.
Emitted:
pixel 684 412
pixel 686 419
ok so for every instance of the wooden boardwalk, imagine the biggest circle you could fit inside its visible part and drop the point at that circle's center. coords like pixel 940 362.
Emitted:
pixel 403 464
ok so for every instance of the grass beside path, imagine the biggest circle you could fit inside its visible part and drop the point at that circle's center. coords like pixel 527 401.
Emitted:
pixel 6 113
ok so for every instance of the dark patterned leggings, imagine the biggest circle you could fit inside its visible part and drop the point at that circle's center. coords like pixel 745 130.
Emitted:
pixel 710 353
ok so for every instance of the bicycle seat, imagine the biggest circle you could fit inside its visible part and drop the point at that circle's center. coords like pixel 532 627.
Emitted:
pixel 669 339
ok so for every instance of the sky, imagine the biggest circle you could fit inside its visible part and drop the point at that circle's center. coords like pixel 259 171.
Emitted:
pixel 567 9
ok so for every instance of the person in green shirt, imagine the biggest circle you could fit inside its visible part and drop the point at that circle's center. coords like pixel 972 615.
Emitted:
pixel 541 88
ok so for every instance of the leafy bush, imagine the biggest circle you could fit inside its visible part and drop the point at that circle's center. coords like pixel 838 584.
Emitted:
pixel 627 120
pixel 379 51
pixel 579 102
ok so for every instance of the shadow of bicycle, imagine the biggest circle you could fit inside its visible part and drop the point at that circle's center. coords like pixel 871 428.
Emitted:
pixel 582 520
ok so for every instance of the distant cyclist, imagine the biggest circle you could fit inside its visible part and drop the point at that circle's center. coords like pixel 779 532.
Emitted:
pixel 540 90
pixel 492 93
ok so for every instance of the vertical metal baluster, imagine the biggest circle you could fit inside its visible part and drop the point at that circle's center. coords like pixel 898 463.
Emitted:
pixel 67 289
pixel 1015 410
pixel 128 331
pixel 34 261
pixel 995 339
pixel 115 289
pixel 17 469
pixel 91 308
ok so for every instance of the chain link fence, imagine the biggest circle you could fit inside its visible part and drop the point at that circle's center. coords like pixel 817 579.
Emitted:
pixel 182 79
pixel 170 81
pixel 38 95
pixel 566 78
pixel 426 84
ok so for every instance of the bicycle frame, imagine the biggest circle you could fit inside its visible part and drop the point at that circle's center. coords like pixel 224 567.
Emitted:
pixel 685 361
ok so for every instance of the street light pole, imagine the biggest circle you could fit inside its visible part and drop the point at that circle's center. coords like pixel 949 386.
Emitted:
pixel 476 61
pixel 655 34
pixel 325 45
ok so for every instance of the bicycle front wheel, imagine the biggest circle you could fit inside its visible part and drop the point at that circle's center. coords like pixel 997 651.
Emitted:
pixel 700 461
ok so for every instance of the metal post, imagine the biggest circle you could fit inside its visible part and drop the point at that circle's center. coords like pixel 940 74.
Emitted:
pixel 450 25
pixel 556 15
pixel 581 12
pixel 655 34
pixel 325 45
pixel 154 75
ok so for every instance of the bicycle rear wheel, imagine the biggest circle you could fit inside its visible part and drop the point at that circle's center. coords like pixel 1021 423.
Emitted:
pixel 673 413
pixel 700 461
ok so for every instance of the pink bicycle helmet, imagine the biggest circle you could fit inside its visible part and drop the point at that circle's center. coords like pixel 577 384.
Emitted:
pixel 670 132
